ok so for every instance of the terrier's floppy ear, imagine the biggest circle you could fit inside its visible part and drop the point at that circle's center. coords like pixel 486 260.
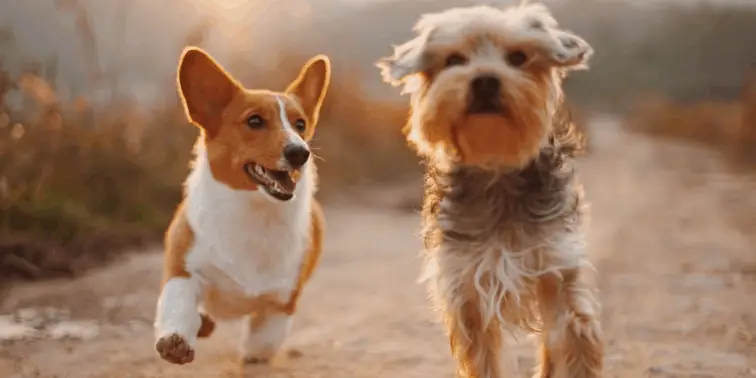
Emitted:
pixel 555 47
pixel 205 89
pixel 566 50
pixel 311 86
pixel 409 58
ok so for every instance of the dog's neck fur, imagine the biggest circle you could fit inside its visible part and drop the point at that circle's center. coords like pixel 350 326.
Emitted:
pixel 470 204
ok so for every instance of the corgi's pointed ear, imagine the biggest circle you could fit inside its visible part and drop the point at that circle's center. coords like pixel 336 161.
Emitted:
pixel 311 86
pixel 205 89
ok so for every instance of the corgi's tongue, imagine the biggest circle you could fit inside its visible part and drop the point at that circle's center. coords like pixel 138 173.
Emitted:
pixel 283 179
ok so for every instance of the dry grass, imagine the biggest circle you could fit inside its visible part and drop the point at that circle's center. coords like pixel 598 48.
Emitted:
pixel 688 51
pixel 748 130
pixel 727 125
pixel 77 184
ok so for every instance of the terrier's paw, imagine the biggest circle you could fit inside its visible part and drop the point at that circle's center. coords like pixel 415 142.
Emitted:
pixel 175 349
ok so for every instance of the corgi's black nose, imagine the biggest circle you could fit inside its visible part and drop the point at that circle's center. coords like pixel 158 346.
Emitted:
pixel 296 155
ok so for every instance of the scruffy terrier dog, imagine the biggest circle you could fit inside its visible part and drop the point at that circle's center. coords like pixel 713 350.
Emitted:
pixel 503 210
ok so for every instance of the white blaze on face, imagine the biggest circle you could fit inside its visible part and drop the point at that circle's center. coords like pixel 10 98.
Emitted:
pixel 292 137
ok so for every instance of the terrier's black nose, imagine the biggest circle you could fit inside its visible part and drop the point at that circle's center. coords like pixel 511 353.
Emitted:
pixel 296 155
pixel 486 85
pixel 485 96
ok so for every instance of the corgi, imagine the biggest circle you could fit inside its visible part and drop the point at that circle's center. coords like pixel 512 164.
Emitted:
pixel 248 234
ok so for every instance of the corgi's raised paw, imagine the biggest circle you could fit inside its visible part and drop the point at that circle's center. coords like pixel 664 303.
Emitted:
pixel 175 349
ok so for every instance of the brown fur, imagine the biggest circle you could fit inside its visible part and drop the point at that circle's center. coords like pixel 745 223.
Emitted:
pixel 178 240
pixel 227 105
pixel 503 210
pixel 312 258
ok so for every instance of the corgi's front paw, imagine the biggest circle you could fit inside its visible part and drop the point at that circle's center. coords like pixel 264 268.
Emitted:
pixel 175 349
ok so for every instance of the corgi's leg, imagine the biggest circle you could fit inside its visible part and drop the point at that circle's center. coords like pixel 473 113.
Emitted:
pixel 571 344
pixel 207 327
pixel 312 257
pixel 264 332
pixel 178 321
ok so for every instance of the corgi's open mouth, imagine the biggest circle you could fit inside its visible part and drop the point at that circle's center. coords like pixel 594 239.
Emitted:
pixel 278 184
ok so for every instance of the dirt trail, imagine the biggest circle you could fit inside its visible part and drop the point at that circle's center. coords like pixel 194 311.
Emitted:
pixel 677 273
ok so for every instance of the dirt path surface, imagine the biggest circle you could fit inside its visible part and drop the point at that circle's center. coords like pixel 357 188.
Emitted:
pixel 677 271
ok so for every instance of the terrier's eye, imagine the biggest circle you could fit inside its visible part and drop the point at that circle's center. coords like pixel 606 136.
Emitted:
pixel 300 124
pixel 516 58
pixel 255 121
pixel 455 60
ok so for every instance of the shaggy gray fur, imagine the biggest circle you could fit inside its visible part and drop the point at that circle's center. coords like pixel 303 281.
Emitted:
pixel 467 205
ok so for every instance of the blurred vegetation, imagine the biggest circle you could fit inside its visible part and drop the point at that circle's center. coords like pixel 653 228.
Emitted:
pixel 78 182
pixel 727 125
pixel 687 53
pixel 684 71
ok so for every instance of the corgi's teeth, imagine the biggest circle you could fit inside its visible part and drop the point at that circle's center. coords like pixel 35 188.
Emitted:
pixel 259 170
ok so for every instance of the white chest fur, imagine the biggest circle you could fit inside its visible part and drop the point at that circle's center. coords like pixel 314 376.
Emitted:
pixel 246 241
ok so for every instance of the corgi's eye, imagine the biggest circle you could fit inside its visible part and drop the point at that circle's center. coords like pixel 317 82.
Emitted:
pixel 300 124
pixel 255 121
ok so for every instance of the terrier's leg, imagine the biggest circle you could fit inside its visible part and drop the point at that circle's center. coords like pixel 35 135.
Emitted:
pixel 571 345
pixel 475 336
pixel 476 346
